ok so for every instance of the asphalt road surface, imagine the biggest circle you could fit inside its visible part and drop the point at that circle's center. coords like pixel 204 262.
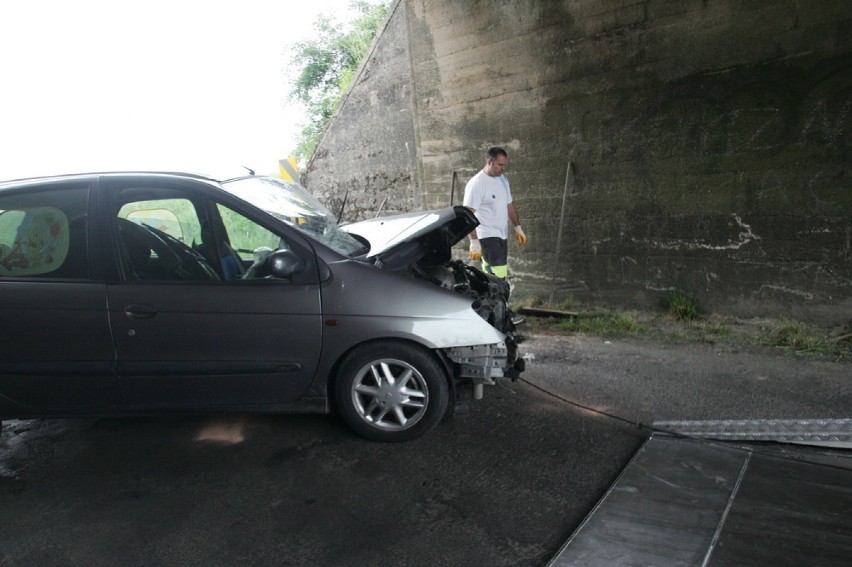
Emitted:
pixel 506 484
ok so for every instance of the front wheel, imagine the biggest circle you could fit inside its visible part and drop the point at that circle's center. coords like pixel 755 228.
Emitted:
pixel 391 391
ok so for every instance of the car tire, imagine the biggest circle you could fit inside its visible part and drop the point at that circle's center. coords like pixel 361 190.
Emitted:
pixel 391 391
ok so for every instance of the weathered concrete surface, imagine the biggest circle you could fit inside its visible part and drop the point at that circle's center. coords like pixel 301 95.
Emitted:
pixel 708 142
pixel 372 162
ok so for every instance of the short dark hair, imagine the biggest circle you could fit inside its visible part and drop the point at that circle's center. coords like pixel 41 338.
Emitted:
pixel 495 152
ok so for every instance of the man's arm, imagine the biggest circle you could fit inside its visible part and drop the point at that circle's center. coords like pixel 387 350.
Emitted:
pixel 513 215
pixel 475 248
pixel 471 202
pixel 472 235
pixel 515 219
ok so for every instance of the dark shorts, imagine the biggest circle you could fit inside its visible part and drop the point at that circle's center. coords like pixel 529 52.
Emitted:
pixel 495 250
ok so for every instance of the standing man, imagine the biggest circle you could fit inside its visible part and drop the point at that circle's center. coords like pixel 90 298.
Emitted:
pixel 487 194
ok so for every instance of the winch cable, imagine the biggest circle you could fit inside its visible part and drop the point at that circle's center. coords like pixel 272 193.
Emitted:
pixel 639 426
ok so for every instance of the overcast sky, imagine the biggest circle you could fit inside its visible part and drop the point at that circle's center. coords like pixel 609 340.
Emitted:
pixel 93 85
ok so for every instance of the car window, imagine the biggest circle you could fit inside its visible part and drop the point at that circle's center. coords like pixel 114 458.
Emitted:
pixel 253 243
pixel 176 217
pixel 179 236
pixel 250 240
pixel 43 234
pixel 162 239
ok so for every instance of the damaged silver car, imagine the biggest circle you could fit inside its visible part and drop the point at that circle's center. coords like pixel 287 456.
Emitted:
pixel 140 293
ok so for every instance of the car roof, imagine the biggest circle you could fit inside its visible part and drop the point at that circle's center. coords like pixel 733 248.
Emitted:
pixel 129 173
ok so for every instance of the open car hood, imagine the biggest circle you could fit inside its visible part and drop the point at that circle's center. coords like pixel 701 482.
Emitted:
pixel 427 231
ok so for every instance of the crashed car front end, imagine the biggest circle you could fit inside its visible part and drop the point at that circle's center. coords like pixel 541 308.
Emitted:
pixel 423 249
pixel 480 364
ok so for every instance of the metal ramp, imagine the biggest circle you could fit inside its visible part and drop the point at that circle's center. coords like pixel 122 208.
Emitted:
pixel 821 432
pixel 690 502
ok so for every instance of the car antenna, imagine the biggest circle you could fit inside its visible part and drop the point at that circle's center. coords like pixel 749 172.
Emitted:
pixel 250 170
pixel 453 189
pixel 382 206
pixel 342 206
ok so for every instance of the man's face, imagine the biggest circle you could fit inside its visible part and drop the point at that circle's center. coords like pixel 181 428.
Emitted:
pixel 495 167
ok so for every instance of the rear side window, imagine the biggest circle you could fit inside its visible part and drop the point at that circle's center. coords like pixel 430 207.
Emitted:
pixel 43 234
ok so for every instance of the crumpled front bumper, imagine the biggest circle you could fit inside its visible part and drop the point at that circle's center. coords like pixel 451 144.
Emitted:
pixel 482 363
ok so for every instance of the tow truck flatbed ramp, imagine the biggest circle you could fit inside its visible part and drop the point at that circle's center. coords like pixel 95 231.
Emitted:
pixel 683 501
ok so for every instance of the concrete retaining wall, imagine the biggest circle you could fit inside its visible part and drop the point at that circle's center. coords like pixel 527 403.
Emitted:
pixel 708 143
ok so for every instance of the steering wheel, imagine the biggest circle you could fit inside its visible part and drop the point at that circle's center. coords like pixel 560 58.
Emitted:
pixel 174 258
pixel 190 264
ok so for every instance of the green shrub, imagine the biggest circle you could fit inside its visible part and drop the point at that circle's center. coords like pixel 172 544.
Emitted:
pixel 680 306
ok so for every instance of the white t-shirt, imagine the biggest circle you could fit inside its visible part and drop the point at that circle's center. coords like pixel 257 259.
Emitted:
pixel 490 196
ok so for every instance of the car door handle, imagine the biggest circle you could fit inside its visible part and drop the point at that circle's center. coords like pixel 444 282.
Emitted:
pixel 139 311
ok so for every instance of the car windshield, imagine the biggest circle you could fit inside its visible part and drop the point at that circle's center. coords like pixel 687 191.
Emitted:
pixel 291 203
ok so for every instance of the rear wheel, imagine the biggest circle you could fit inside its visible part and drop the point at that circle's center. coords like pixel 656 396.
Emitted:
pixel 391 391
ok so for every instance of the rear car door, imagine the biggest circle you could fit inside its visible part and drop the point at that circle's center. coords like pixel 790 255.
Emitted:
pixel 195 325
pixel 56 352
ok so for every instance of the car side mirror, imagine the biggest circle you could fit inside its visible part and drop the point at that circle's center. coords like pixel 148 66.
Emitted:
pixel 284 263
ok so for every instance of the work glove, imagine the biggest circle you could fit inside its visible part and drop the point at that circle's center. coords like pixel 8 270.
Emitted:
pixel 519 234
pixel 475 250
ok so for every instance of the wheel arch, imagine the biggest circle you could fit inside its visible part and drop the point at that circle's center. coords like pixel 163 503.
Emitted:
pixel 436 354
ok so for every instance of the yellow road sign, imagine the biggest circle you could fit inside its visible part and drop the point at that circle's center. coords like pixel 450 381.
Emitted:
pixel 288 170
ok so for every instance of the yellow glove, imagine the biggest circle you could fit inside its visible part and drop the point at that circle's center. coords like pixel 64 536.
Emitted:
pixel 519 234
pixel 475 250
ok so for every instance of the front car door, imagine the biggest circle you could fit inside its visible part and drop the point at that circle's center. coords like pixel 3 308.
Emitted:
pixel 56 352
pixel 194 323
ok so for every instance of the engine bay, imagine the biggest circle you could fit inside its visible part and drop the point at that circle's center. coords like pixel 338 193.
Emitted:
pixel 490 294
